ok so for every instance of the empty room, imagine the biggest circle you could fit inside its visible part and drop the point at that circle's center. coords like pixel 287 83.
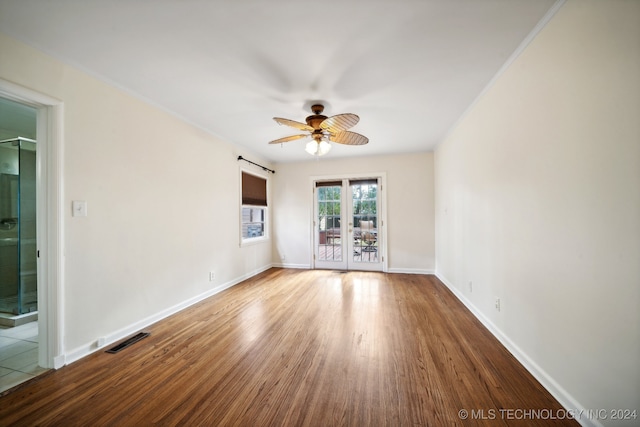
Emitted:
pixel 299 213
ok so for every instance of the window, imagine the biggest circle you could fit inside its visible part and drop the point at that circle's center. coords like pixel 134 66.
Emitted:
pixel 252 222
pixel 254 208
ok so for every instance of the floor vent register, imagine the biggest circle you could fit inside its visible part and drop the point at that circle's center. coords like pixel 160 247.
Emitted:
pixel 129 342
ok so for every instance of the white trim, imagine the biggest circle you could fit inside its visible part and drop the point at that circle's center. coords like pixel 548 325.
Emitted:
pixel 88 348
pixel 50 217
pixel 294 266
pixel 411 271
pixel 59 361
pixel 254 240
pixel 382 196
pixel 391 270
pixel 556 390
pixel 521 47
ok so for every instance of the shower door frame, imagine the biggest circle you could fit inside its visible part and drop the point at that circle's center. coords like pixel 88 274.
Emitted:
pixel 18 212
pixel 49 218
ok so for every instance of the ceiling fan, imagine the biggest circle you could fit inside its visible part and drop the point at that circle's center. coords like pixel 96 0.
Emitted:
pixel 323 129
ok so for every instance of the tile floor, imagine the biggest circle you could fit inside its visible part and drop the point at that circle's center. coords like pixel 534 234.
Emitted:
pixel 18 355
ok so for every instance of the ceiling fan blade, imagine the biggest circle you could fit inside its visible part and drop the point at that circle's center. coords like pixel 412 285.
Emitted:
pixel 348 138
pixel 289 138
pixel 339 122
pixel 293 124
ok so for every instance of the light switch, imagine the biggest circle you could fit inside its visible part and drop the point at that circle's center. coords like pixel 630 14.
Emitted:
pixel 79 208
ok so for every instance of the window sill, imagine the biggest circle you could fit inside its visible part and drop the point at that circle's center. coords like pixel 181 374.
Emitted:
pixel 253 241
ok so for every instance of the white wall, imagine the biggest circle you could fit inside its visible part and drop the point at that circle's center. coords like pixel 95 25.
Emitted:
pixel 163 203
pixel 410 207
pixel 538 204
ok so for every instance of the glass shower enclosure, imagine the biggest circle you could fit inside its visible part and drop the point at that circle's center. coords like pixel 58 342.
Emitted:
pixel 18 250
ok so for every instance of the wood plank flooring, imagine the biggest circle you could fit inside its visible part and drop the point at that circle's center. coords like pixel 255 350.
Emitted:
pixel 298 348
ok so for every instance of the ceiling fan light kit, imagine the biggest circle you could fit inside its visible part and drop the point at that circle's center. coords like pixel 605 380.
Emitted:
pixel 318 148
pixel 323 129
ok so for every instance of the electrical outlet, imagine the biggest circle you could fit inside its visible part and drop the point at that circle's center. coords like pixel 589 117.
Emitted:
pixel 470 286
pixel 498 304
pixel 282 257
pixel 212 276
pixel 102 341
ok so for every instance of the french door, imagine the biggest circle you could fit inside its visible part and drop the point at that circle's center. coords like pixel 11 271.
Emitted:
pixel 348 225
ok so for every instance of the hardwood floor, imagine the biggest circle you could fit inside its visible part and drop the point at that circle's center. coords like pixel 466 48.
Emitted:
pixel 299 348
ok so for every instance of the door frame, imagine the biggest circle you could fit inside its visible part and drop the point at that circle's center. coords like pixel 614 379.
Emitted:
pixel 382 214
pixel 49 218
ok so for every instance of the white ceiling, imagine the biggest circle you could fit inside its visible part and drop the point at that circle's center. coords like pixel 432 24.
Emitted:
pixel 408 68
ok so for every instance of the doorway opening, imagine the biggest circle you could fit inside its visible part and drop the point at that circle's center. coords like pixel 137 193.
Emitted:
pixel 38 220
pixel 348 223
pixel 19 333
pixel 18 253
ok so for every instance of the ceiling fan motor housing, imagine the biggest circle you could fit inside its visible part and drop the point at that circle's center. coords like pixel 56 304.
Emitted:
pixel 317 118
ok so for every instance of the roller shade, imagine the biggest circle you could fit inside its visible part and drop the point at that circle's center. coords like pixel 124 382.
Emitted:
pixel 328 183
pixel 254 190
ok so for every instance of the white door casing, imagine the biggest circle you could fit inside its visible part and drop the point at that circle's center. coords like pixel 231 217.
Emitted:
pixel 337 238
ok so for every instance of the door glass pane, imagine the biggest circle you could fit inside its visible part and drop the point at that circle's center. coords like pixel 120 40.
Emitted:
pixel 365 221
pixel 329 223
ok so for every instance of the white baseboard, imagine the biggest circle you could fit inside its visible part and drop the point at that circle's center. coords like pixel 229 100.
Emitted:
pixel 557 391
pixel 86 349
pixel 59 361
pixel 410 271
pixel 296 266
pixel 391 270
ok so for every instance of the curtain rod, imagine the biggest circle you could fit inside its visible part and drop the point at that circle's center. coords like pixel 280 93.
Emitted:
pixel 260 166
